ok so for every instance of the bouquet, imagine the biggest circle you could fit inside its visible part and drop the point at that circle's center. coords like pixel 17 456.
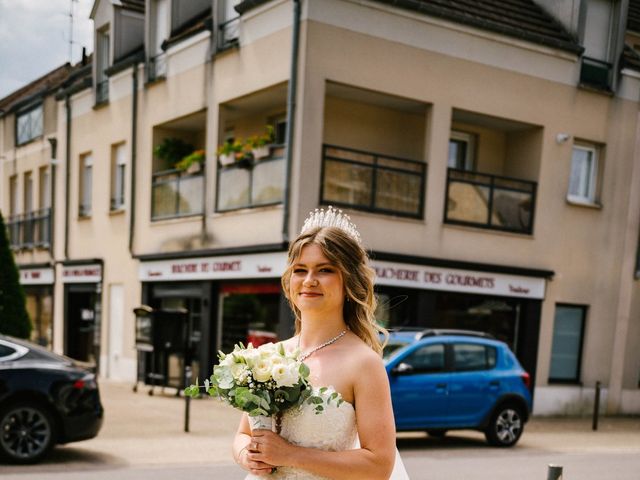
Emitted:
pixel 261 381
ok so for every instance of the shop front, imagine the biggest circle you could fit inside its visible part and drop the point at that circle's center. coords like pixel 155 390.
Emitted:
pixel 229 299
pixel 505 303
pixel 82 310
pixel 37 283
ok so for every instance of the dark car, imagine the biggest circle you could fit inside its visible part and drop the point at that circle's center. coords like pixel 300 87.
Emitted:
pixel 445 379
pixel 45 399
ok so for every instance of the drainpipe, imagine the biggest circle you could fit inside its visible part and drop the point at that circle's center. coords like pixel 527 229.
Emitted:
pixel 67 105
pixel 291 107
pixel 134 143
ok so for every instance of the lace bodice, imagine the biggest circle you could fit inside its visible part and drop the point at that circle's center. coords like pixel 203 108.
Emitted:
pixel 334 429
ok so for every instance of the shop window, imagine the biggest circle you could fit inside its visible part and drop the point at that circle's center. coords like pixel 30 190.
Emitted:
pixel 469 357
pixel 566 350
pixel 118 170
pixel 584 174
pixel 428 359
pixel 461 151
pixel 29 125
pixel 86 185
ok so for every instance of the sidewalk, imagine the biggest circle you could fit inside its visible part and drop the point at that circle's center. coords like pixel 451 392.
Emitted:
pixel 148 430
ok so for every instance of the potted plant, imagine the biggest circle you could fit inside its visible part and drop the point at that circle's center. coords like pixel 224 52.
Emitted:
pixel 229 151
pixel 192 163
pixel 171 151
pixel 259 144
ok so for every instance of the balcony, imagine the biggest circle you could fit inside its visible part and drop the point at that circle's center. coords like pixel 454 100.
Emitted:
pixel 596 73
pixel 157 67
pixel 228 33
pixel 30 230
pixel 102 92
pixel 176 193
pixel 372 182
pixel 252 183
pixel 490 201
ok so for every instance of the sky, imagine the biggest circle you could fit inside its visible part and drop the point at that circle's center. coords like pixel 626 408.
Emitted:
pixel 34 38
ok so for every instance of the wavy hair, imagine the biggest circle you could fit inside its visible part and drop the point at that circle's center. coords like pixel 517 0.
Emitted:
pixel 358 278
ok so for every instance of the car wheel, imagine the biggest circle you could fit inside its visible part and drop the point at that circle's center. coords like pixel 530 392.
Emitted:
pixel 437 432
pixel 26 432
pixel 505 426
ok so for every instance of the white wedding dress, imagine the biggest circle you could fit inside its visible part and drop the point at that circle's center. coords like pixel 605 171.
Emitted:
pixel 334 429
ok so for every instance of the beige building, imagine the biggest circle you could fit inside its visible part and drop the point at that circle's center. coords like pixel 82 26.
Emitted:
pixel 488 156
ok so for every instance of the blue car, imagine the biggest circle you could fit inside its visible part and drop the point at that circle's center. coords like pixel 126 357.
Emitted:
pixel 447 379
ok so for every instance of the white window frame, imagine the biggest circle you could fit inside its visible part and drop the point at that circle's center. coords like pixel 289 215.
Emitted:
pixel 590 197
pixel 118 177
pixel 470 140
pixel 44 185
pixel 86 185
pixel 29 124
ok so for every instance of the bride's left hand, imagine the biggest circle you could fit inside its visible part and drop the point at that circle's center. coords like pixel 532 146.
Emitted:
pixel 271 448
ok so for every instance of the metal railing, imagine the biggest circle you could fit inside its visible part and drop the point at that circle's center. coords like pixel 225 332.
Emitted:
pixel 30 230
pixel 490 201
pixel 249 183
pixel 102 91
pixel 228 33
pixel 157 67
pixel 372 181
pixel 596 73
pixel 176 193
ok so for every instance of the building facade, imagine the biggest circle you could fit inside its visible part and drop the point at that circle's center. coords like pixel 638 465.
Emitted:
pixel 489 158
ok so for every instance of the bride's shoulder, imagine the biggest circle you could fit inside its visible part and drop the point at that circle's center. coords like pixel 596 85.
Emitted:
pixel 360 353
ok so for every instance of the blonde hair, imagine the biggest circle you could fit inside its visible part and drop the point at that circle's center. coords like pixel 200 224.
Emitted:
pixel 358 278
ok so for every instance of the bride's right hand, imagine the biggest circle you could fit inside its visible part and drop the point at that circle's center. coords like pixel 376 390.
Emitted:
pixel 255 467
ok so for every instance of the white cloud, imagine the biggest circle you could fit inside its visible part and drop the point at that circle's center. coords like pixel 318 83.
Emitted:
pixel 34 38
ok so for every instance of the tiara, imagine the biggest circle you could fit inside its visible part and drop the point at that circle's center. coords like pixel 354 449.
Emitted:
pixel 331 218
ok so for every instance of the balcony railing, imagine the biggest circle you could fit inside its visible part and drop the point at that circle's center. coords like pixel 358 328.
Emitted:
pixel 596 73
pixel 157 67
pixel 229 33
pixel 102 91
pixel 176 193
pixel 30 230
pixel 252 183
pixel 490 201
pixel 373 182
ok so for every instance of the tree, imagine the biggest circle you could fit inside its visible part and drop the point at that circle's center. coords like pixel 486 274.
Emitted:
pixel 14 319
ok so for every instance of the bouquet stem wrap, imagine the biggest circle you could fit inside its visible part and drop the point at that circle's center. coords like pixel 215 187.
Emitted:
pixel 265 422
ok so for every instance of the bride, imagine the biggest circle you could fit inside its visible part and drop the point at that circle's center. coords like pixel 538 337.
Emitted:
pixel 329 286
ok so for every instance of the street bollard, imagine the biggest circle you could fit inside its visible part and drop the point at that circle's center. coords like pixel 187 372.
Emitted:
pixel 596 408
pixel 187 398
pixel 554 472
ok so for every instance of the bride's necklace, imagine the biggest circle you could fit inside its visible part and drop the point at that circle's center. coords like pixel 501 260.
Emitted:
pixel 303 356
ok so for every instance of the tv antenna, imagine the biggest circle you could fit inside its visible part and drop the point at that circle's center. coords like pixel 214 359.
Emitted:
pixel 71 42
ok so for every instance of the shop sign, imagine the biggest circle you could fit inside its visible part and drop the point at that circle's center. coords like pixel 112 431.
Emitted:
pixel 454 280
pixel 36 276
pixel 264 265
pixel 90 273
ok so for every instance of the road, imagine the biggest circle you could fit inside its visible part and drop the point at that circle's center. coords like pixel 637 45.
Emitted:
pixel 143 439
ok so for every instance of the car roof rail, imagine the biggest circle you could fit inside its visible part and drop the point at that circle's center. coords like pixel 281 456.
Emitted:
pixel 437 332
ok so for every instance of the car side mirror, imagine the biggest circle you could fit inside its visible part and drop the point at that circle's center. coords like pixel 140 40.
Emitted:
pixel 402 369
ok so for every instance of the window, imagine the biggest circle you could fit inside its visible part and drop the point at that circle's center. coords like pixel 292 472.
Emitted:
pixel 428 359
pixel 28 193
pixel 44 188
pixel 118 166
pixel 229 28
pixel 102 82
pixel 86 184
pixel 566 349
pixel 13 195
pixel 469 356
pixel 29 125
pixel 461 151
pixel 584 171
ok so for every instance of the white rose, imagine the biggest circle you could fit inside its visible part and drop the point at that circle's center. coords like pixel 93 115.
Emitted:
pixel 262 370
pixel 237 369
pixel 251 356
pixel 285 375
